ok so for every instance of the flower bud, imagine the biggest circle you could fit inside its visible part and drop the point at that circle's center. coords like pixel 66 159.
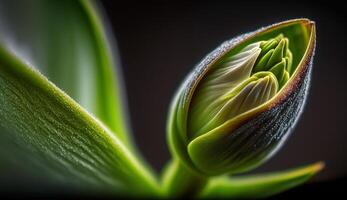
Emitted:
pixel 240 103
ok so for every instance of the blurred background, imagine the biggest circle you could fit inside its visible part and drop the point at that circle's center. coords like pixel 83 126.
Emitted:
pixel 159 42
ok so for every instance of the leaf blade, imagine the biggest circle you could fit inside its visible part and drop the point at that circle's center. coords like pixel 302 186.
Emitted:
pixel 67 42
pixel 70 142
pixel 260 186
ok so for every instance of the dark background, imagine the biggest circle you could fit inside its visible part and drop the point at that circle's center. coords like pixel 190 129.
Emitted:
pixel 161 41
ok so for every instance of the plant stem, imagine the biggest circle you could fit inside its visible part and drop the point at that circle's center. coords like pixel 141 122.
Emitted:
pixel 180 181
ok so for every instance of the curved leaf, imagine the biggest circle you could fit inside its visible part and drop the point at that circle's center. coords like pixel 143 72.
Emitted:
pixel 66 41
pixel 52 128
pixel 259 186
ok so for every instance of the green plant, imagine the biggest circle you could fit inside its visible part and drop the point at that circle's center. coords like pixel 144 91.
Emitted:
pixel 230 115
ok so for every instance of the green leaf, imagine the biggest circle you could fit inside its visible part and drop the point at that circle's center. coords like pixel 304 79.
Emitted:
pixel 259 186
pixel 52 128
pixel 67 42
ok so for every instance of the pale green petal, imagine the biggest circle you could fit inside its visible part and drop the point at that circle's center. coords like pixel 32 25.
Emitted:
pixel 251 93
pixel 221 80
pixel 277 54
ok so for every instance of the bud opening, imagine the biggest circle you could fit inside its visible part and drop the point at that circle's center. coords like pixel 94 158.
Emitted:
pixel 240 83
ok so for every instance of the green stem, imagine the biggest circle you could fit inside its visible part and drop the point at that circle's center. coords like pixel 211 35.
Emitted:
pixel 180 181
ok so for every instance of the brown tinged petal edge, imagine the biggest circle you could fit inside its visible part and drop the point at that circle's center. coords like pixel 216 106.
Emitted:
pixel 251 138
